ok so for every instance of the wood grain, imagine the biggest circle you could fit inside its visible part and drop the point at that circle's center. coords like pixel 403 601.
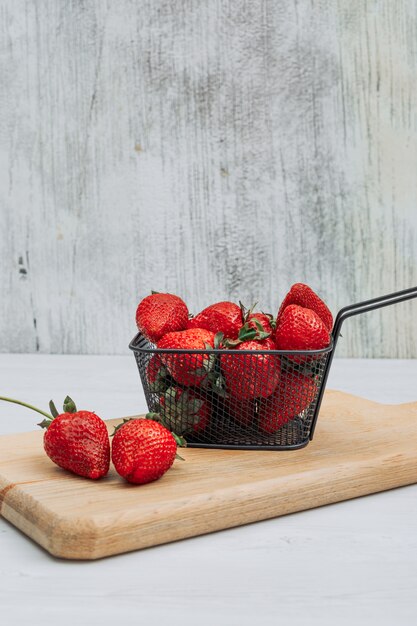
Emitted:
pixel 214 149
pixel 361 447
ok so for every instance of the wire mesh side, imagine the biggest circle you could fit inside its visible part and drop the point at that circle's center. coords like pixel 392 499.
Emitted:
pixel 233 399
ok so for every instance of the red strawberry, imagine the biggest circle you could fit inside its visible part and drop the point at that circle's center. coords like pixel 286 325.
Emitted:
pixel 184 411
pixel 304 296
pixel 294 393
pixel 143 450
pixel 75 440
pixel 301 329
pixel 250 375
pixel 161 313
pixel 265 320
pixel 224 317
pixel 79 442
pixel 187 369
pixel 266 344
pixel 157 373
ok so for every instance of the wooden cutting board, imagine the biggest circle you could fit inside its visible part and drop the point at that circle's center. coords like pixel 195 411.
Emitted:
pixel 360 447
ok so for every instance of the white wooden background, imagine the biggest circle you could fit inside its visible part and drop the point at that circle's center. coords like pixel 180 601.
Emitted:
pixel 215 149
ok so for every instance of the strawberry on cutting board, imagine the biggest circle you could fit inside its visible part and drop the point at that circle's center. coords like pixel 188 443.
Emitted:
pixel 304 296
pixel 143 450
pixel 299 328
pixel 223 317
pixel 187 369
pixel 161 313
pixel 77 441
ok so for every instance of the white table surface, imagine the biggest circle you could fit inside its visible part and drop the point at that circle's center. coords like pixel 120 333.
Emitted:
pixel 349 563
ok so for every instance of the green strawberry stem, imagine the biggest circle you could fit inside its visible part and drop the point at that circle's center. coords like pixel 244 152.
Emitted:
pixel 118 427
pixel 180 440
pixel 247 333
pixel 28 406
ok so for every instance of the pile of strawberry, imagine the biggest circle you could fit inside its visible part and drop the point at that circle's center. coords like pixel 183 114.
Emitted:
pixel 246 380
pixel 249 383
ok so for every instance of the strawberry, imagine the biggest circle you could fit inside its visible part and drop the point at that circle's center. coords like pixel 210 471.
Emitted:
pixel 161 313
pixel 75 440
pixel 267 344
pixel 294 393
pixel 224 317
pixel 250 375
pixel 156 374
pixel 143 450
pixel 301 329
pixel 265 320
pixel 184 411
pixel 187 369
pixel 79 442
pixel 304 296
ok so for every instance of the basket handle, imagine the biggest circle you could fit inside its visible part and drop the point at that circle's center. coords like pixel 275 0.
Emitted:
pixel 370 305
pixel 349 311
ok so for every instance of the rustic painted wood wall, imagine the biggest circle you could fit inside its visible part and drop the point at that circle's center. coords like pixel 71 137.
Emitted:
pixel 215 149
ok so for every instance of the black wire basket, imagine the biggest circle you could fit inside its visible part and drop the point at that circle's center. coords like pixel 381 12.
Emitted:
pixel 243 399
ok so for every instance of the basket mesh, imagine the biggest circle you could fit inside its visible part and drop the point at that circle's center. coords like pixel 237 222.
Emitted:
pixel 232 398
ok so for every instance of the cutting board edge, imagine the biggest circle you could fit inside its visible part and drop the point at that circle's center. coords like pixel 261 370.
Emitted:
pixel 76 538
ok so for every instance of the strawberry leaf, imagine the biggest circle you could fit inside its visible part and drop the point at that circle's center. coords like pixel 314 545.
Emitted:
pixel 246 333
pixel 262 334
pixel 116 428
pixel 272 320
pixel 200 371
pixel 244 312
pixel 53 408
pixel 206 366
pixel 170 395
pixel 157 417
pixel 218 340
pixel 181 442
pixel 194 406
pixel 258 325
pixel 69 405
pixel 152 416
pixel 159 386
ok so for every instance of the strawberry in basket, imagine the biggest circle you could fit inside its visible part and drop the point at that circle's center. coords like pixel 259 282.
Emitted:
pixel 161 313
pixel 188 369
pixel 250 375
pixel 184 411
pixel 299 328
pixel 157 375
pixel 304 296
pixel 224 317
pixel 263 322
pixel 294 394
